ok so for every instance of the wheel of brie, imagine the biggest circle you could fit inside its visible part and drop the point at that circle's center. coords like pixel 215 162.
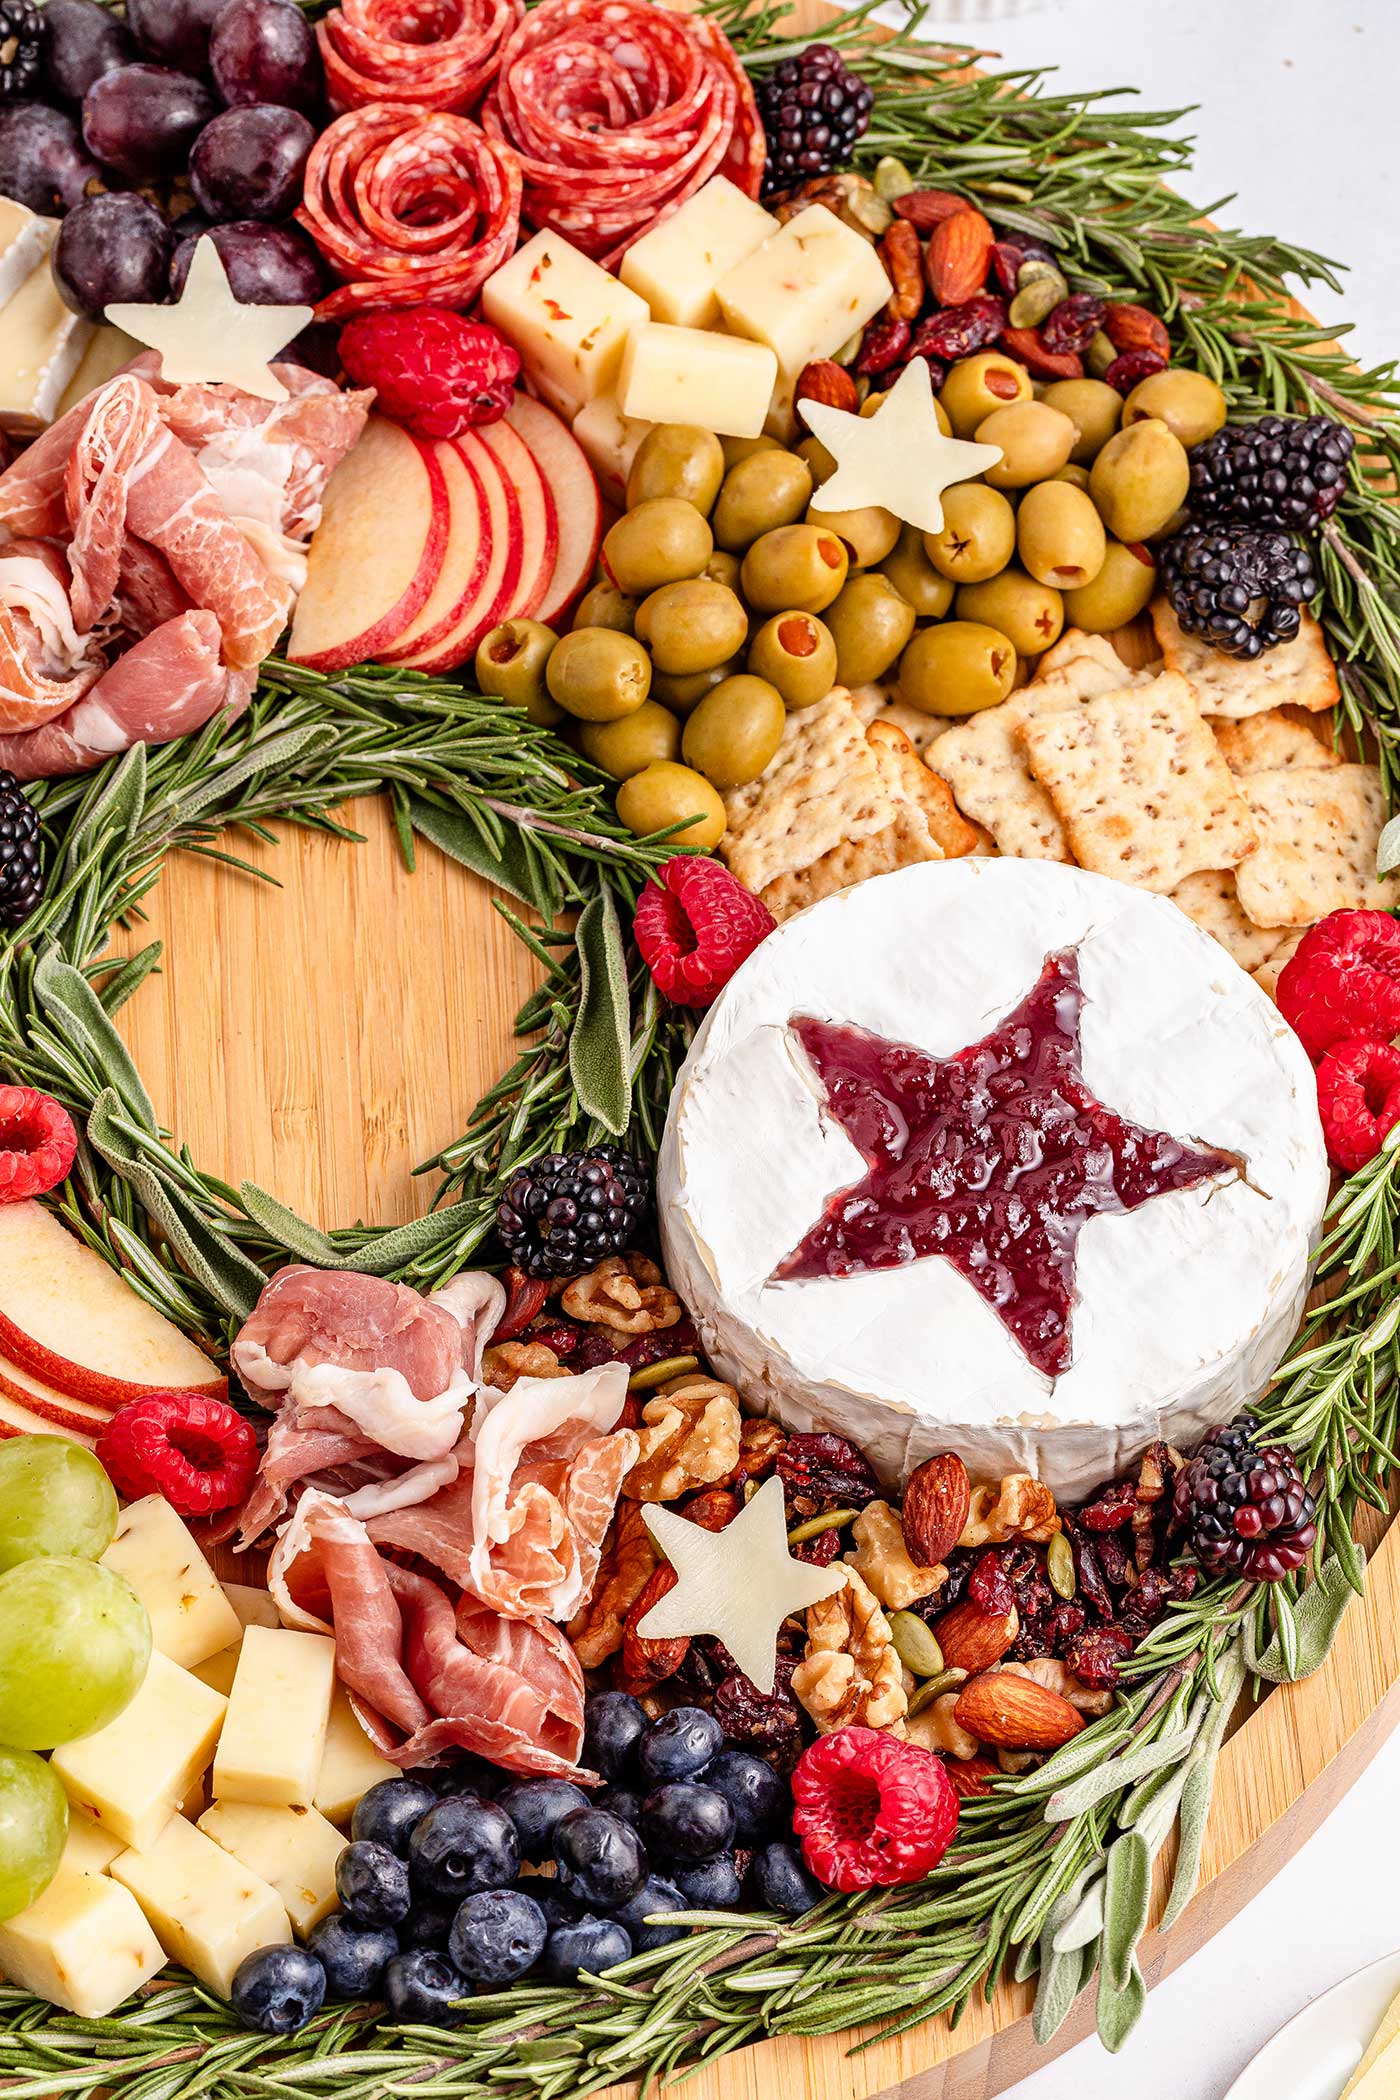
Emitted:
pixel 999 1157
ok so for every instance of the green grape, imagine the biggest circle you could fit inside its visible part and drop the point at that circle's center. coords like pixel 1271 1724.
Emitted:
pixel 74 1644
pixel 54 1498
pixel 33 1825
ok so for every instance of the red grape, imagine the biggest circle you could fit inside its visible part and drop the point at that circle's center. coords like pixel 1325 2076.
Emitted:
pixel 174 32
pixel 264 51
pixel 249 162
pixel 266 265
pixel 82 41
pixel 142 120
pixel 42 160
pixel 111 249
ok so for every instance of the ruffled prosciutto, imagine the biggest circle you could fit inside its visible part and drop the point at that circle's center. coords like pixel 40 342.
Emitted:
pixel 47 661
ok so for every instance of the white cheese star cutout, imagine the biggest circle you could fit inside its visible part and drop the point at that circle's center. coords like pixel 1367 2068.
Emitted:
pixel 209 337
pixel 898 458
pixel 738 1584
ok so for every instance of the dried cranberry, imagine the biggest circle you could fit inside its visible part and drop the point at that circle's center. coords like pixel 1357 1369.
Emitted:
pixel 525 1296
pixel 680 1340
pixel 884 343
pixel 699 1673
pixel 598 1346
pixel 820 1550
pixel 821 1472
pixel 1114 1559
pixel 1094 1657
pixel 1089 1574
pixel 1030 1642
pixel 1112 1506
pixel 1063 1624
pixel 564 1337
pixel 1144 1605
pixel 989 1587
pixel 1007 258
pixel 956 331
pixel 770 1727
pixel 1069 328
pixel 1034 1598
pixel 1125 371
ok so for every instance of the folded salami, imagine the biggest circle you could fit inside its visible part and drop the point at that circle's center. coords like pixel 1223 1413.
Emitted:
pixel 437 54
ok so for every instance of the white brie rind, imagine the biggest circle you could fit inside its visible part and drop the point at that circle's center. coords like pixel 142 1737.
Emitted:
pixel 1183 1307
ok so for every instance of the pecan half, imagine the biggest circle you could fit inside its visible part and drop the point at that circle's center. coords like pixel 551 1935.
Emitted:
pixel 652 1662
pixel 904 266
pixel 628 1560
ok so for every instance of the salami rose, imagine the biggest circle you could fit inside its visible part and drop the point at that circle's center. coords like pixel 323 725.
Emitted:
pixel 437 54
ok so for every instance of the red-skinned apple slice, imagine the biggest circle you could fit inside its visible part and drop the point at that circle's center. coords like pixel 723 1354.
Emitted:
pixel 578 506
pixel 64 1410
pixel 18 1421
pixel 502 577
pixel 539 521
pixel 376 553
pixel 464 564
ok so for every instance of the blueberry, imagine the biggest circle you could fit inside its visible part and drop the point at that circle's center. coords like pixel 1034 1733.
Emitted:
pixel 781 1882
pixel 559 1907
pixel 589 1943
pixel 277 1989
pixel 464 1844
pixel 466 1775
pixel 599 1856
pixel 422 1986
pixel 428 1922
pixel 622 1801
pixel 759 1798
pixel 713 1885
pixel 680 1745
pixel 613 1725
pixel 535 1806
pixel 372 1883
pixel 652 1898
pixel 497 1935
pixel 387 1813
pixel 353 1956
pixel 687 1821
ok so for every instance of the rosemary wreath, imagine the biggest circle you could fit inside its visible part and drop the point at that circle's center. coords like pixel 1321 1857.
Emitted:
pixel 1051 1873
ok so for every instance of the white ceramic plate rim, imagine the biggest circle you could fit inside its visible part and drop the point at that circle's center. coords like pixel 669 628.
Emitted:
pixel 1313 2056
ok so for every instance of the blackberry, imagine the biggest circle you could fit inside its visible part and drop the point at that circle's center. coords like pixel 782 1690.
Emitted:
pixel 1238 589
pixel 21 48
pixel 1284 473
pixel 21 869
pixel 813 109
pixel 567 1212
pixel 1245 1510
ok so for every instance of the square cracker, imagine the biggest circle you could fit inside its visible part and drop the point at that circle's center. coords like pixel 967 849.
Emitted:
pixel 1073 647
pixel 905 839
pixel 1299 673
pixel 1140 786
pixel 928 790
pixel 1318 833
pixel 824 788
pixel 1272 743
pixel 1212 900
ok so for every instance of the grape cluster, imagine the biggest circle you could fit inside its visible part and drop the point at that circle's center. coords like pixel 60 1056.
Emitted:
pixel 190 117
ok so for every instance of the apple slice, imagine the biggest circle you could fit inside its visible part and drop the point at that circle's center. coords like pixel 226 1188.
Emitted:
pixel 63 1410
pixel 18 1421
pixel 502 569
pixel 539 521
pixel 70 1319
pixel 376 553
pixel 579 507
pixel 464 564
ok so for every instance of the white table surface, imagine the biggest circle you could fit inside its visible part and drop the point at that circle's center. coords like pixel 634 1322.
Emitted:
pixel 1298 117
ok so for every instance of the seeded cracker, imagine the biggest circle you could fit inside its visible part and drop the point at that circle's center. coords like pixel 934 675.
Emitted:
pixel 1299 673
pixel 824 789
pixel 1318 832
pixel 876 703
pixel 1073 647
pixel 905 839
pixel 1212 900
pixel 1272 743
pixel 1140 787
pixel 951 831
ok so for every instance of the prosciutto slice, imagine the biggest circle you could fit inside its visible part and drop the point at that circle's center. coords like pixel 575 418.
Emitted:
pixel 46 661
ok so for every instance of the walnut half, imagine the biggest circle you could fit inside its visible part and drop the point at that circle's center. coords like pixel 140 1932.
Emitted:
pixel 689 1437
pixel 850 1675
pixel 882 1559
pixel 1018 1507
pixel 504 1362
pixel 624 1293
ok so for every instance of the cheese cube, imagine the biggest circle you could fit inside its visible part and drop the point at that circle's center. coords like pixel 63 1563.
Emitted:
pixel 88 1848
pixel 206 1909
pixel 108 352
pixel 566 316
pixel 275 1728
pixel 809 289
pixel 294 1850
pixel 155 1552
pixel 42 343
pixel 132 1775
pixel 677 265
pixel 25 239
pixel 83 1945
pixel 253 1606
pixel 350 1764
pixel 610 440
pixel 685 375
pixel 218 1671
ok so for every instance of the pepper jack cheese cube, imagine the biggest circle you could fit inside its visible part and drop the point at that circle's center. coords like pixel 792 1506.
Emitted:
pixel 41 343
pixel 686 375
pixel 350 1764
pixel 206 1909
pixel 83 1944
pixel 275 1729
pixel 294 1850
pixel 132 1775
pixel 809 289
pixel 154 1550
pixel 677 265
pixel 566 316
pixel 610 440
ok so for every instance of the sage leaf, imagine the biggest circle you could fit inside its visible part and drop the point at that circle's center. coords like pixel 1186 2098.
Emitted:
pixel 1388 848
pixel 510 867
pixel 231 1279
pixel 601 1042
pixel 116 808
pixel 306 1241
pixel 1083 1753
pixel 73 1006
pixel 128 980
pixel 1127 1889
pixel 1304 1632
pixel 1119 2007
pixel 1115 1774
pixel 401 1245
pixel 1084 1923
pixel 1062 1978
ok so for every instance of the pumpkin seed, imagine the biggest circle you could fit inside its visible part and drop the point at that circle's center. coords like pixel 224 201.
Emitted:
pixel 1036 299
pixel 1099 355
pixel 1059 1565
pixel 934 1688
pixel 868 213
pixel 657 1374
pixel 892 178
pixel 813 1527
pixel 915 1645
pixel 850 349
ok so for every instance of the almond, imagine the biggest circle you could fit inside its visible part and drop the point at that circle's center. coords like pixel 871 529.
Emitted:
pixel 972 1639
pixel 1136 328
pixel 971 1776
pixel 958 255
pixel 825 381
pixel 651 1662
pixel 936 1503
pixel 1015 1713
pixel 929 208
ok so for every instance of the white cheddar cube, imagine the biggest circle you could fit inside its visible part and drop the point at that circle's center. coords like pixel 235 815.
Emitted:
pixel 254 1606
pixel 294 1850
pixel 686 375
pixel 206 1909
pixel 809 289
pixel 88 1848
pixel 132 1775
pixel 83 1944
pixel 566 316
pixel 275 1728
pixel 610 441
pixel 40 348
pixel 25 239
pixel 677 265
pixel 155 1552
pixel 218 1671
pixel 350 1764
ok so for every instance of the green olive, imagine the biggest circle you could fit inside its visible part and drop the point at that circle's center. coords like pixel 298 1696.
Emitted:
pixel 978 535
pixel 663 794
pixel 957 668
pixel 1059 536
pixel 1139 479
pixel 797 568
pixel 623 747
pixel 870 624
pixel 735 731
pixel 1117 594
pixel 724 568
pixel 676 459
pixel 762 492
pixel 735 449
pixel 598 674
pixel 1029 614
pixel 821 462
pixel 692 626
pixel 977 385
pixel 868 534
pixel 1092 407
pixel 1077 477
pixel 686 692
pixel 795 652
pixel 510 663
pixel 1191 405
pixel 661 541
pixel 606 606
pixel 1035 442
pixel 915 578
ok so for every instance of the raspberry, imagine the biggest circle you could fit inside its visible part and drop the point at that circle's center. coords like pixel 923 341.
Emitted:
pixel 1343 981
pixel 695 924
pixel 871 1812
pixel 435 373
pixel 1358 1099
pixel 196 1451
pixel 37 1143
